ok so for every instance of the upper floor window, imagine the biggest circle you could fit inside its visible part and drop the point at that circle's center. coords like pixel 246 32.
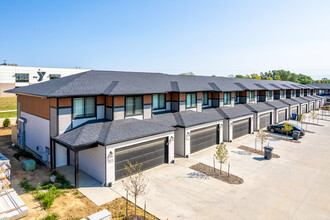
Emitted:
pixel 22 77
pixel 226 98
pixel 301 92
pixel 251 96
pixel 158 101
pixel 269 95
pixel 236 97
pixel 191 100
pixel 133 105
pixel 282 93
pixel 321 91
pixel 84 107
pixel 205 98
pixel 54 76
pixel 292 92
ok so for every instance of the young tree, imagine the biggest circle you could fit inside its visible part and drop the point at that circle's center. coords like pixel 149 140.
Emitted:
pixel 262 137
pixel 287 128
pixel 221 154
pixel 314 115
pixel 136 183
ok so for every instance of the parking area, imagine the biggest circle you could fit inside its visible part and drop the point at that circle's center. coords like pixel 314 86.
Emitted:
pixel 295 186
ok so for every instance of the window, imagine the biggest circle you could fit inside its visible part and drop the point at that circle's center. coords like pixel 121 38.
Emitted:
pixel 292 93
pixel 282 93
pixel 205 98
pixel 191 100
pixel 54 76
pixel 22 77
pixel 84 107
pixel 158 101
pixel 226 98
pixel 301 92
pixel 133 105
pixel 236 97
pixel 269 95
pixel 251 96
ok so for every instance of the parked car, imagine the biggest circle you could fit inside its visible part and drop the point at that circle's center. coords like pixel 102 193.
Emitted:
pixel 279 128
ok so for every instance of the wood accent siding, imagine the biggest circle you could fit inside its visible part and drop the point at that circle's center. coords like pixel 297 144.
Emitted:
pixel 34 105
pixel 277 92
pixel 182 96
pixel 100 100
pixel 199 95
pixel 168 97
pixel 175 97
pixel 64 102
pixel 232 94
pixel 263 92
pixel 147 99
pixel 53 102
pixel 216 95
pixel 108 101
pixel 210 95
pixel 119 101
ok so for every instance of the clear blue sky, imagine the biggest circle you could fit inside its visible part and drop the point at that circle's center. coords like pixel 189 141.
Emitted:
pixel 170 36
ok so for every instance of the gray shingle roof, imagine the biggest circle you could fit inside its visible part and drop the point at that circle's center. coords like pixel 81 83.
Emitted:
pixel 259 107
pixel 289 101
pixel 110 132
pixel 184 119
pixel 277 104
pixel 230 112
pixel 320 85
pixel 300 100
pixel 93 83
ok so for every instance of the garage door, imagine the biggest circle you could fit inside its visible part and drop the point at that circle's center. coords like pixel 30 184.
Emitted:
pixel 150 154
pixel 265 120
pixel 294 110
pixel 203 138
pixel 317 104
pixel 281 116
pixel 304 109
pixel 241 128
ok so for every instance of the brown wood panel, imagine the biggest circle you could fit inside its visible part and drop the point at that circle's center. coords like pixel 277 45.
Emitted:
pixel 182 96
pixel 256 93
pixel 100 100
pixel 277 91
pixel 35 105
pixel 263 92
pixel 175 96
pixel 168 97
pixel 216 95
pixel 210 95
pixel 53 102
pixel 199 95
pixel 241 94
pixel 232 94
pixel 108 101
pixel 119 101
pixel 147 99
pixel 64 102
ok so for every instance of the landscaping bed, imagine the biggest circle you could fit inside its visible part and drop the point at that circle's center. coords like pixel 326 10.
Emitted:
pixel 252 150
pixel 283 138
pixel 215 173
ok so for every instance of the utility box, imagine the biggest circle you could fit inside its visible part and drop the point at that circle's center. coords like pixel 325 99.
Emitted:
pixel 29 165
pixel 101 215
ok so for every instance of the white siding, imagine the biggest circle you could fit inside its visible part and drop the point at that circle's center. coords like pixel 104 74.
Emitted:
pixel 61 155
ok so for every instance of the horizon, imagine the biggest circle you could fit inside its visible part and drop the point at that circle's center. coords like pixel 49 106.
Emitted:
pixel 209 38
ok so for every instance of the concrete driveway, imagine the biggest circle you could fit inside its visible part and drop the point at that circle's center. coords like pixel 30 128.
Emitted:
pixel 295 186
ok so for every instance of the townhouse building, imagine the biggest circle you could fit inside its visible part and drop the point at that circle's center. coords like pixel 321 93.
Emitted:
pixel 97 120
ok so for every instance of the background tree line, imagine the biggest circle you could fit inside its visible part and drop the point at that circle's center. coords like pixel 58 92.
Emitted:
pixel 275 75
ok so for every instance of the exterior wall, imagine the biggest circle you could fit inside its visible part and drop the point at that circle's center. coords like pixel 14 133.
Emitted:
pixel 190 129
pixel 4 87
pixel 64 119
pixel 199 102
pixel 175 101
pixel 147 100
pixel 110 152
pixel 37 136
pixel 216 99
pixel 61 155
pixel 34 105
pixel 92 162
pixel 168 102
pixel 179 142
pixel 182 101
pixel 108 108
pixel 118 107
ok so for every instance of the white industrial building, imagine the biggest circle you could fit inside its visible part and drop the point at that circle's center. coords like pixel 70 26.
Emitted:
pixel 12 76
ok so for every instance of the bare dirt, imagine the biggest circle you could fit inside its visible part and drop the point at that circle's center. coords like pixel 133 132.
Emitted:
pixel 215 173
pixel 70 205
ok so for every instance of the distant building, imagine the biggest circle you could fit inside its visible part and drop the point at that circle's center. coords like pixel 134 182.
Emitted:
pixel 12 75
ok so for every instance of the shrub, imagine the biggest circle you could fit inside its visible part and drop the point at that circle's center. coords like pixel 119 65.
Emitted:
pixel 27 186
pixel 47 198
pixel 52 216
pixel 6 123
pixel 22 153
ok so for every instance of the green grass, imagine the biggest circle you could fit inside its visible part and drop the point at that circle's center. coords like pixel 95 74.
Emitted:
pixel 47 198
pixel 8 114
pixel 8 103
pixel 52 216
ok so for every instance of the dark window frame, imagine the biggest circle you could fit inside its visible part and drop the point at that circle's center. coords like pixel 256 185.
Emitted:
pixel 152 101
pixel 134 107
pixel 192 106
pixel 253 95
pixel 229 98
pixel 84 115
pixel 22 81
pixel 207 98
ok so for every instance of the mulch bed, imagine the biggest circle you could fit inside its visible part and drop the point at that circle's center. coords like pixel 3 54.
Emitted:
pixel 283 138
pixel 133 217
pixel 251 150
pixel 215 173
